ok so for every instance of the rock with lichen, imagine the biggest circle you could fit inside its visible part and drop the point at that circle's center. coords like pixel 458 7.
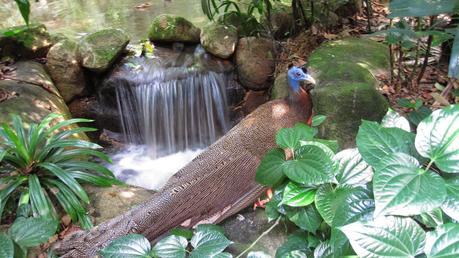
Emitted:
pixel 171 28
pixel 31 41
pixel 219 40
pixel 99 50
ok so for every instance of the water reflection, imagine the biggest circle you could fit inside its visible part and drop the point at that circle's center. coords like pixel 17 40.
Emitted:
pixel 73 17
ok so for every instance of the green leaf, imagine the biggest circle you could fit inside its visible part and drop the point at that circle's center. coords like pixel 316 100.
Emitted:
pixel 375 142
pixel 418 115
pixel 291 137
pixel 41 205
pixel 257 254
pixel 331 144
pixel 344 205
pixel 298 196
pixel 31 232
pixel 421 8
pixel 453 70
pixel 324 250
pixel 443 242
pixel 171 247
pixel 210 228
pixel 269 172
pixel 182 232
pixel 94 179
pixel 352 169
pixel 131 246
pixel 438 138
pixel 6 246
pixel 401 187
pixel 406 103
pixel 394 119
pixel 306 218
pixel 311 166
pixel 451 204
pixel 208 243
pixel 24 8
pixel 295 243
pixel 432 218
pixel 386 237
pixel 318 120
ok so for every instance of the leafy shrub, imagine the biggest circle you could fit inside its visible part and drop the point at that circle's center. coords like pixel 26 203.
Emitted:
pixel 44 160
pixel 25 233
pixel 207 241
pixel 395 195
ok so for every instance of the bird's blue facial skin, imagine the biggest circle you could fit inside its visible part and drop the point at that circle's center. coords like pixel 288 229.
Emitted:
pixel 295 76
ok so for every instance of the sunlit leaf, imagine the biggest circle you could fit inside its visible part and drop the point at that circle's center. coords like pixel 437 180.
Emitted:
pixel 208 243
pixel 451 204
pixel 31 232
pixel 298 196
pixel 394 119
pixel 443 241
pixel 291 137
pixel 132 246
pixel 352 169
pixel 171 247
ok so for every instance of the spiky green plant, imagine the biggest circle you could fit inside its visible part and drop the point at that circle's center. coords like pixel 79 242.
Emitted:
pixel 45 160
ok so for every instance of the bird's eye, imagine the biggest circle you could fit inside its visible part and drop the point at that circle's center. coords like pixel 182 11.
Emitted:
pixel 298 74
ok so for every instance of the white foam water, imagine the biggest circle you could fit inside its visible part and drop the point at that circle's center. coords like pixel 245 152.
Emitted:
pixel 135 167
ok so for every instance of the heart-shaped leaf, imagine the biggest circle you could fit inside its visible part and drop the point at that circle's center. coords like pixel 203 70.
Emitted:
pixel 352 169
pixel 270 171
pixel 133 245
pixel 443 241
pixel 208 243
pixel 291 137
pixel 376 142
pixel 298 196
pixel 30 232
pixel 171 247
pixel 306 218
pixel 451 204
pixel 394 119
pixel 438 138
pixel 401 187
pixel 386 237
pixel 6 246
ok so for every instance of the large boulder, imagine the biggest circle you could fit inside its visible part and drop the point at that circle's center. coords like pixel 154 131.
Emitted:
pixel 346 90
pixel 280 88
pixel 30 93
pixel 255 62
pixel 26 42
pixel 281 20
pixel 99 50
pixel 219 40
pixel 171 28
pixel 65 69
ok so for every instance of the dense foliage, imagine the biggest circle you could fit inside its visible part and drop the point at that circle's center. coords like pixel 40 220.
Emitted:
pixel 395 195
pixel 45 160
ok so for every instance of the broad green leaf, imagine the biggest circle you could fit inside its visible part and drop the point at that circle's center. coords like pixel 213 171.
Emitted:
pixel 182 232
pixel 344 204
pixel 451 204
pixel 421 8
pixel 24 8
pixel 6 246
pixel 386 237
pixel 453 70
pixel 171 247
pixel 394 119
pixel 130 246
pixel 331 144
pixel 443 241
pixel 407 103
pixel 210 228
pixel 324 250
pixel 330 153
pixel 352 169
pixel 298 196
pixel 208 244
pixel 375 142
pixel 306 218
pixel 432 218
pixel 418 115
pixel 438 138
pixel 295 243
pixel 41 205
pixel 291 137
pixel 403 188
pixel 311 166
pixel 269 172
pixel 31 232
pixel 318 120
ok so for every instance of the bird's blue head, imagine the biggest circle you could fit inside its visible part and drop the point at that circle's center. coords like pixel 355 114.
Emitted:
pixel 297 75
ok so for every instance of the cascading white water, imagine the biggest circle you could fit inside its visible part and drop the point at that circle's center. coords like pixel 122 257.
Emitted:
pixel 172 110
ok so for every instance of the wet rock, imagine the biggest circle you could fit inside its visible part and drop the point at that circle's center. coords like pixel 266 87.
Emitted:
pixel 99 50
pixel 346 90
pixel 109 202
pixel 280 88
pixel 219 40
pixel 246 25
pixel 26 42
pixel 171 28
pixel 64 68
pixel 255 62
pixel 30 93
pixel 281 20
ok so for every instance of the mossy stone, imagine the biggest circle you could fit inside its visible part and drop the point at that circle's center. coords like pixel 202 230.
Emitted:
pixel 219 40
pixel 27 42
pixel 99 50
pixel 346 90
pixel 171 28
pixel 280 88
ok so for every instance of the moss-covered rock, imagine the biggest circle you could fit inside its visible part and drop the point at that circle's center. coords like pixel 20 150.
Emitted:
pixel 99 50
pixel 219 40
pixel 65 70
pixel 346 90
pixel 255 62
pixel 280 87
pixel 28 42
pixel 31 94
pixel 171 28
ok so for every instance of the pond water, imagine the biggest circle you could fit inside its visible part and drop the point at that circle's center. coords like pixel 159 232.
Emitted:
pixel 75 17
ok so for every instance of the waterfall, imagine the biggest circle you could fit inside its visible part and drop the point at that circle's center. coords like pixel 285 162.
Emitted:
pixel 172 106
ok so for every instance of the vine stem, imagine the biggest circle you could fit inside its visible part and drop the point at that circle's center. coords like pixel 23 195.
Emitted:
pixel 260 237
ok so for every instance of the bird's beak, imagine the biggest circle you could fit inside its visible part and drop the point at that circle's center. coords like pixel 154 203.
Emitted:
pixel 308 83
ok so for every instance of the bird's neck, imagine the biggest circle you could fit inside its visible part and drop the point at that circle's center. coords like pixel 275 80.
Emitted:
pixel 294 85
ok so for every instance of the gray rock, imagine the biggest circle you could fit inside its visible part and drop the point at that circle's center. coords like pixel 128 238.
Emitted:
pixel 65 69
pixel 99 50
pixel 255 62
pixel 171 28
pixel 219 40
